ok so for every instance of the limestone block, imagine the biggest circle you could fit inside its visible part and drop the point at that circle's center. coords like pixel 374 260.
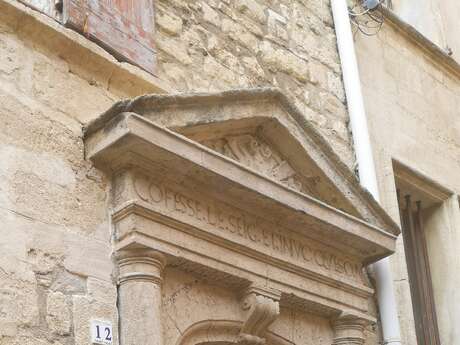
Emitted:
pixel 29 339
pixel 277 25
pixel 101 290
pixel 219 74
pixel 169 23
pixel 335 85
pixel 8 329
pixel 239 34
pixel 84 310
pixel 210 15
pixel 58 315
pixel 253 9
pixel 18 303
pixel 252 65
pixel 284 61
pixel 88 258
pixel 173 48
pixel 69 283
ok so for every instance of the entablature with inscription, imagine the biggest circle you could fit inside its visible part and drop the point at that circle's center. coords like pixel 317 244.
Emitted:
pixel 235 183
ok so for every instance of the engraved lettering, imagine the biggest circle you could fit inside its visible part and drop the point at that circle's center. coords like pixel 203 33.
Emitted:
pixel 199 210
pixel 191 207
pixel 210 216
pixel 233 224
pixel 169 195
pixel 239 224
pixel 319 259
pixel 141 186
pixel 266 236
pixel 178 206
pixel 275 244
pixel 307 253
pixel 252 234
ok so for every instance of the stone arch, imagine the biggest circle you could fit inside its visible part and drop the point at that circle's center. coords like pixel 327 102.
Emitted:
pixel 221 332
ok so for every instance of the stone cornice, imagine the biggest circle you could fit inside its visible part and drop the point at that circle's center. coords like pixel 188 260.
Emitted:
pixel 133 131
pixel 438 55
pixel 270 96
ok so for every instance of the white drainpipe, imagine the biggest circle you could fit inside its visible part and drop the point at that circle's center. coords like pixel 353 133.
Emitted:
pixel 367 176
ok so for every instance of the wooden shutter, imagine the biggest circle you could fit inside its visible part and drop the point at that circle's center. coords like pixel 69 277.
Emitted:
pixel 123 27
pixel 426 325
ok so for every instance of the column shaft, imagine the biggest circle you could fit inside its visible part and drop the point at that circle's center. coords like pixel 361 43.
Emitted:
pixel 139 297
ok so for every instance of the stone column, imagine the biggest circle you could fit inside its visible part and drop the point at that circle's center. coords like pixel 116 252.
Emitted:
pixel 139 296
pixel 349 330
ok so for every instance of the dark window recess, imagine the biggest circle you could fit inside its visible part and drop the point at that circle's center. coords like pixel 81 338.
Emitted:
pixel 125 28
pixel 418 266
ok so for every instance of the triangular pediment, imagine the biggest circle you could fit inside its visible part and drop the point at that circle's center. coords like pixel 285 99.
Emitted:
pixel 261 130
pixel 238 186
pixel 270 150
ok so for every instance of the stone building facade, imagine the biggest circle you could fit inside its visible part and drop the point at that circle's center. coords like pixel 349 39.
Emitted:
pixel 233 215
pixel 410 77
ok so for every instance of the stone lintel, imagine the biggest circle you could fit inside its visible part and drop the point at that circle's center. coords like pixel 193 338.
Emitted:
pixel 132 134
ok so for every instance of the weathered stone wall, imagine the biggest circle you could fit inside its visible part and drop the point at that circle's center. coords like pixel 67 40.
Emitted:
pixel 413 104
pixel 55 267
pixel 56 270
pixel 224 44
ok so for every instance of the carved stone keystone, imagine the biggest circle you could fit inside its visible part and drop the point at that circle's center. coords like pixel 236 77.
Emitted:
pixel 263 309
pixel 139 282
pixel 349 330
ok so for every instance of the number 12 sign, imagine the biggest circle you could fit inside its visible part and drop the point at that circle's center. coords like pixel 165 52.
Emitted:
pixel 101 332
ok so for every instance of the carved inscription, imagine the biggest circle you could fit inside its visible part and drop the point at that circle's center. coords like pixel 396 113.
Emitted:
pixel 234 222
pixel 256 154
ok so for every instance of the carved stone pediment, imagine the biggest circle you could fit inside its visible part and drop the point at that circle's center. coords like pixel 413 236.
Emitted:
pixel 255 153
pixel 239 187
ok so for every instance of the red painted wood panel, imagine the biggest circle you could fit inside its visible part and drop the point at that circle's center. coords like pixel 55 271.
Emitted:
pixel 124 27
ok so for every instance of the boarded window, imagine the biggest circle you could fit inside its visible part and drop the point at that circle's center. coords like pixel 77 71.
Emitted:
pixel 418 265
pixel 123 27
pixel 422 203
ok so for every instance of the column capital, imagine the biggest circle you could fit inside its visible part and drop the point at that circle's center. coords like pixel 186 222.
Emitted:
pixel 349 329
pixel 140 264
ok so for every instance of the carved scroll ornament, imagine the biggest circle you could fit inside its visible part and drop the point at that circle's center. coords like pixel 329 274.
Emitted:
pixel 262 305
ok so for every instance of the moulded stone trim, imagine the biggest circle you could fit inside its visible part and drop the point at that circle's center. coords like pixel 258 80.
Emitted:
pixel 248 107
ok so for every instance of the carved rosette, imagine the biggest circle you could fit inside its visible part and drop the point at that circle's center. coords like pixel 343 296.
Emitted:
pixel 349 330
pixel 256 154
pixel 262 305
